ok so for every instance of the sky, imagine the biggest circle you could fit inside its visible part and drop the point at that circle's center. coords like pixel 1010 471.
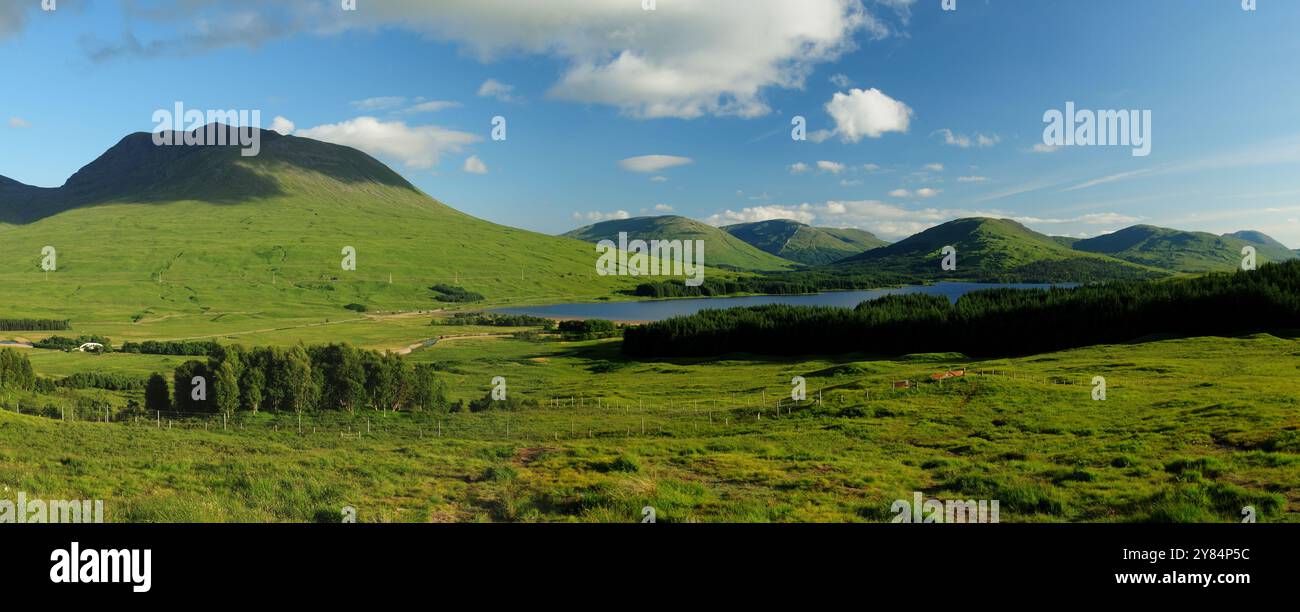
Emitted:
pixel 915 115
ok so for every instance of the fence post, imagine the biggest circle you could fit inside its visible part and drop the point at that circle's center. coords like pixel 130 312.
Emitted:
pixel 159 419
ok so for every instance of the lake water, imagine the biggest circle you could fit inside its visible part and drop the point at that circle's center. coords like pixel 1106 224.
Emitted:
pixel 655 310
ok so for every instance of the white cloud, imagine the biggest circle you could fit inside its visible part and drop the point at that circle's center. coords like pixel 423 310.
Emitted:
pixel 820 136
pixel 415 146
pixel 658 179
pixel 961 140
pixel 653 163
pixel 936 167
pixel 432 106
pixel 971 179
pixel 474 165
pixel 1044 148
pixel 596 216
pixel 850 183
pixel 803 214
pixel 868 113
pixel 282 125
pixel 689 58
pixel 798 168
pixel 378 103
pixel 493 88
pixel 841 81
pixel 663 208
pixel 924 192
pixel 830 166
pixel 19 122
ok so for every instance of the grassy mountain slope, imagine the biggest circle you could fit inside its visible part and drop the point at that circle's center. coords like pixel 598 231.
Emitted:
pixel 992 250
pixel 247 236
pixel 1265 246
pixel 720 248
pixel 1177 250
pixel 801 243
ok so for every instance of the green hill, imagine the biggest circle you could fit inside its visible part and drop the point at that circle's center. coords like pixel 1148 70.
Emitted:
pixel 1265 245
pixel 720 248
pixel 260 235
pixel 1179 250
pixel 992 250
pixel 804 244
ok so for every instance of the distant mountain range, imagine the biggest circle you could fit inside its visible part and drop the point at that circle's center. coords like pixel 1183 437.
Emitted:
pixel 144 230
pixel 989 249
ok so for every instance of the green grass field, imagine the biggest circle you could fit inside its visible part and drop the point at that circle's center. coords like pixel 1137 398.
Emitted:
pixel 1191 430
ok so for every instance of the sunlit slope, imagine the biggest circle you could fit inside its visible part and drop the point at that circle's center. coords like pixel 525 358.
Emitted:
pixel 1183 251
pixel 720 248
pixel 993 250
pixel 263 234
pixel 802 243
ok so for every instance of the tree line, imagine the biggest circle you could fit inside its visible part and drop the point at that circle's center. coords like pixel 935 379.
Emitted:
pixel 771 283
pixel 33 324
pixel 297 379
pixel 16 371
pixel 198 348
pixel 994 322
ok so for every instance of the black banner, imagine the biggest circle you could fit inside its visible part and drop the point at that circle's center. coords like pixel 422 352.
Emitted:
pixel 312 562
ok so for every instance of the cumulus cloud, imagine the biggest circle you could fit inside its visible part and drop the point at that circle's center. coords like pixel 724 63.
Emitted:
pixel 830 166
pixel 282 125
pixel 19 122
pixel 415 146
pixel 971 179
pixel 596 216
pixel 653 163
pixel 935 167
pixel 493 88
pixel 867 113
pixel 924 192
pixel 658 179
pixel 961 140
pixel 1044 148
pixel 663 208
pixel 474 165
pixel 690 58
pixel 797 168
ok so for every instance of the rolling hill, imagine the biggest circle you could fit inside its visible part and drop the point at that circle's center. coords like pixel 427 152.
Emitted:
pixel 720 248
pixel 1182 251
pixel 802 243
pixel 992 250
pixel 1265 245
pixel 146 230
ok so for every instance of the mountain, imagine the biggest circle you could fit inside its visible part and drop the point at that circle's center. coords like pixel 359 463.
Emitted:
pixel 1179 250
pixel 1265 245
pixel 802 243
pixel 720 248
pixel 248 235
pixel 992 250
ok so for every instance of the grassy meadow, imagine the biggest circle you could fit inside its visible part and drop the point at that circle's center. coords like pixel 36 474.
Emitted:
pixel 1192 429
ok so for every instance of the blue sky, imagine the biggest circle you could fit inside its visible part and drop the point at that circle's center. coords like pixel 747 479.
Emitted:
pixel 940 113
